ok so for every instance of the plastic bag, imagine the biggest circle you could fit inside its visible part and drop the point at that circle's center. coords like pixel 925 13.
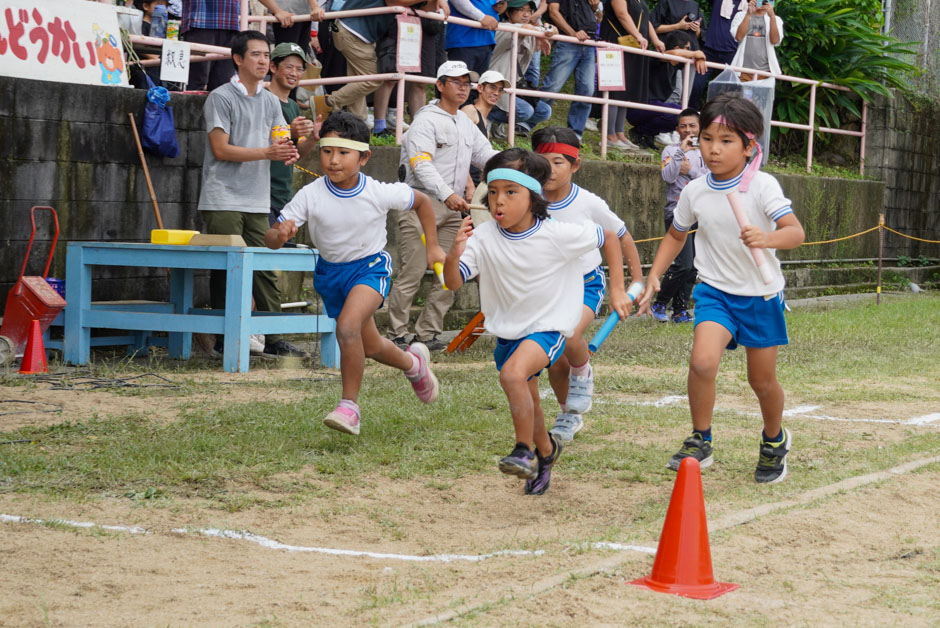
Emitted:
pixel 159 130
pixel 761 93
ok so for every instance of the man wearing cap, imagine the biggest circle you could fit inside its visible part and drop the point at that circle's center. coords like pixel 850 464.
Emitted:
pixel 288 63
pixel 436 155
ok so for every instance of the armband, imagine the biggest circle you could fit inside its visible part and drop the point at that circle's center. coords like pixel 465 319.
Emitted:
pixel 414 161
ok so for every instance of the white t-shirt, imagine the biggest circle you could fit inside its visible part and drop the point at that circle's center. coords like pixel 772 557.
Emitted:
pixel 721 258
pixel 346 225
pixel 581 205
pixel 528 282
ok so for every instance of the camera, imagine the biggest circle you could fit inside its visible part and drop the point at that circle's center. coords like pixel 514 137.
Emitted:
pixel 694 141
pixel 763 2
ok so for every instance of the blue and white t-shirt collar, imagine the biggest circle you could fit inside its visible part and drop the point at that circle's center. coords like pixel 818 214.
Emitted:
pixel 568 200
pixel 726 184
pixel 509 235
pixel 340 192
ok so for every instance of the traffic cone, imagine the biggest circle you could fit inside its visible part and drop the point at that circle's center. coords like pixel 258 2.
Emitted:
pixel 683 564
pixel 34 359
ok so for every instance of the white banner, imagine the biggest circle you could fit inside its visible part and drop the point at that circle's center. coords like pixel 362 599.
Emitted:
pixel 409 44
pixel 174 64
pixel 61 40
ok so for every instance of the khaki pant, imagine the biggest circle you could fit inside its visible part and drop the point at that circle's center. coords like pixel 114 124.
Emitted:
pixel 360 60
pixel 414 263
pixel 252 228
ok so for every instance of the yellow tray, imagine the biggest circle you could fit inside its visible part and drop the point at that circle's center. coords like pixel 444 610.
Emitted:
pixel 171 236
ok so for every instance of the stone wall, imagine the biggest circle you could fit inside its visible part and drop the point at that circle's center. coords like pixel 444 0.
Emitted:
pixel 71 147
pixel 903 150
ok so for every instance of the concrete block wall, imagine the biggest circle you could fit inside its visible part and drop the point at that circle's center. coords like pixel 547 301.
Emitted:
pixel 903 150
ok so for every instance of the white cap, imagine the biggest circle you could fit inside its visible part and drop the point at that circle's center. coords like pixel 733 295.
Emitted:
pixel 456 68
pixel 492 76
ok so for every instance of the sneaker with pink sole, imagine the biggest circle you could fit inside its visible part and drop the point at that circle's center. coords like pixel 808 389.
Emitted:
pixel 425 384
pixel 344 420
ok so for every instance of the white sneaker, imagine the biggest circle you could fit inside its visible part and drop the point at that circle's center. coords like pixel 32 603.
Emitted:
pixel 566 426
pixel 663 138
pixel 370 121
pixel 392 117
pixel 590 125
pixel 256 344
pixel 580 393
pixel 623 145
pixel 500 131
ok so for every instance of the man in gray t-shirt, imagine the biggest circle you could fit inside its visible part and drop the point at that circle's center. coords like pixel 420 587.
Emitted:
pixel 236 175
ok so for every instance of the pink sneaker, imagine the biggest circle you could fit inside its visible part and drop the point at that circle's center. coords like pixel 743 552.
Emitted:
pixel 425 384
pixel 344 420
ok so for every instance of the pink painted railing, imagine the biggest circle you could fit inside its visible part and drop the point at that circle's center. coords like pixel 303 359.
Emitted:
pixel 215 52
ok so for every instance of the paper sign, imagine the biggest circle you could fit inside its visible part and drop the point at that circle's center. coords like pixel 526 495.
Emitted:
pixel 610 70
pixel 61 40
pixel 174 61
pixel 409 44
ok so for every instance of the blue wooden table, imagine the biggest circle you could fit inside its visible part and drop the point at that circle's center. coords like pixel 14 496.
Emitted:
pixel 178 317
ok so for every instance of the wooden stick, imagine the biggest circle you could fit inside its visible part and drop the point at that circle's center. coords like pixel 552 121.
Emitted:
pixel 143 162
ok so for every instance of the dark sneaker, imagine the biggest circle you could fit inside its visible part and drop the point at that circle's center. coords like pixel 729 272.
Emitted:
pixel 386 132
pixel 643 141
pixel 521 462
pixel 658 311
pixel 401 343
pixel 539 484
pixel 434 344
pixel 282 348
pixel 772 463
pixel 682 317
pixel 693 447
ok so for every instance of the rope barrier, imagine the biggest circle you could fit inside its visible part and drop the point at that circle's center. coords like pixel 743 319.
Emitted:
pixel 911 237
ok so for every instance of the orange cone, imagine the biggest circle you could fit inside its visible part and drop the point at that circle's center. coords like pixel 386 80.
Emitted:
pixel 34 360
pixel 683 564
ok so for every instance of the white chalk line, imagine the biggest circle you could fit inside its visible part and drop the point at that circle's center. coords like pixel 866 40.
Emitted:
pixel 277 545
pixel 802 412
pixel 730 520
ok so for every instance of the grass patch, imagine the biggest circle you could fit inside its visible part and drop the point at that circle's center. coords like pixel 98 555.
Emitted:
pixel 275 453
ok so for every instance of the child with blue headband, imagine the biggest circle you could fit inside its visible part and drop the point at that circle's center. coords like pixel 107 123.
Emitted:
pixel 530 292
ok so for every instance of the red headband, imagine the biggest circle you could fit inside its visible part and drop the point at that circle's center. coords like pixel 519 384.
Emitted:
pixel 556 147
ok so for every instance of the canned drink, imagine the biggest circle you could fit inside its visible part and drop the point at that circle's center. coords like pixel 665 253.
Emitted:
pixel 173 29
pixel 280 132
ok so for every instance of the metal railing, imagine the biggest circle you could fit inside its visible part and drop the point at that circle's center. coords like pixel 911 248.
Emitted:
pixel 215 52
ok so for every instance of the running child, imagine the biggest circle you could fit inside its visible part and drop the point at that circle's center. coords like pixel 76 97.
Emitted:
pixel 571 376
pixel 732 304
pixel 530 292
pixel 346 212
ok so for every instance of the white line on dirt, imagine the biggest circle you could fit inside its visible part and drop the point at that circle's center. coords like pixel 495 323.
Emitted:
pixel 72 524
pixel 924 420
pixel 728 521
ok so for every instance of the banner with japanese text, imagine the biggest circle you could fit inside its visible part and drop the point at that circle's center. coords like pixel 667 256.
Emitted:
pixel 61 40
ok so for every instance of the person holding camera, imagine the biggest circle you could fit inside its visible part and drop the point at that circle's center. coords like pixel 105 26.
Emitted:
pixel 679 15
pixel 681 163
pixel 758 30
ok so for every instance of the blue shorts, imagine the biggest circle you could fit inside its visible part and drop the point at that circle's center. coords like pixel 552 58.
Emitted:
pixel 334 280
pixel 755 322
pixel 552 342
pixel 595 286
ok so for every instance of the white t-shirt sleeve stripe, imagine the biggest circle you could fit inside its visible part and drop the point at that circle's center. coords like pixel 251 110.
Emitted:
pixel 464 271
pixel 780 213
pixel 600 236
pixel 622 232
pixel 411 205
pixel 678 227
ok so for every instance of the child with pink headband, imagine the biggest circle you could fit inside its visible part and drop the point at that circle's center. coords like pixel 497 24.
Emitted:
pixel 530 294
pixel 743 217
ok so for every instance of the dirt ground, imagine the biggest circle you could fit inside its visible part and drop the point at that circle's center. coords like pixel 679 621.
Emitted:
pixel 868 555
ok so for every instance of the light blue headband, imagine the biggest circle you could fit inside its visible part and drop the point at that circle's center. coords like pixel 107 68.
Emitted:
pixel 508 174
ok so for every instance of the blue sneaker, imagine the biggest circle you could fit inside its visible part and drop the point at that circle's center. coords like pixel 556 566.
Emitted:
pixel 567 424
pixel 539 484
pixel 683 317
pixel 658 312
pixel 521 462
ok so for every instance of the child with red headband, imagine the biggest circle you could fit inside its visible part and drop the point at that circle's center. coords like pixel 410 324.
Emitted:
pixel 571 376
pixel 735 303
pixel 529 289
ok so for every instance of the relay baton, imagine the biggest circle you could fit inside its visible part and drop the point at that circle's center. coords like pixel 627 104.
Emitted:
pixel 766 272
pixel 612 319
pixel 438 267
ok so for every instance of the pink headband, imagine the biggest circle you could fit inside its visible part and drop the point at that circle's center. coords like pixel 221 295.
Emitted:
pixel 752 167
